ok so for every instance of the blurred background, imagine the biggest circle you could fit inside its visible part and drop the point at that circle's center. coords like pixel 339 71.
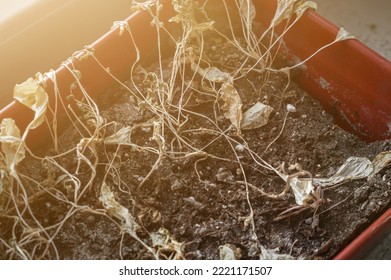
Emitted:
pixel 369 21
pixel 37 35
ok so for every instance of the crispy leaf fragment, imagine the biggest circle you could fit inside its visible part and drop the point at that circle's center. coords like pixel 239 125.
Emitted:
pixel 247 9
pixel 121 137
pixel 232 104
pixel 204 26
pixel 184 9
pixel 356 168
pixel 166 245
pixel 122 25
pixel 302 189
pixel 215 75
pixel 118 211
pixel 12 146
pixel 379 162
pixel 257 116
pixel 31 94
pixel 143 5
pixel 353 169
pixel 287 8
pixel 273 254
pixel 343 35
pixel 229 252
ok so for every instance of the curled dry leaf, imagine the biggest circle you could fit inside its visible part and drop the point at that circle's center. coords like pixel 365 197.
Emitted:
pixel 232 104
pixel 379 162
pixel 214 74
pixel 122 25
pixel 118 211
pixel 31 94
pixel 353 169
pixel 166 245
pixel 273 254
pixel 343 35
pixel 185 14
pixel 204 26
pixel 248 11
pixel 121 137
pixel 12 147
pixel 144 5
pixel 287 8
pixel 184 9
pixel 229 252
pixel 157 134
pixel 302 189
pixel 257 116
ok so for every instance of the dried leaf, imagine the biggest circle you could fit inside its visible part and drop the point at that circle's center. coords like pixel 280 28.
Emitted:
pixel 186 10
pixel 31 94
pixel 302 5
pixel 248 11
pixel 215 75
pixel 353 169
pixel 343 35
pixel 229 252
pixel 379 162
pixel 143 5
pixel 204 26
pixel 232 104
pixel 157 134
pixel 118 211
pixel 302 189
pixel 257 116
pixel 122 25
pixel 287 8
pixel 273 254
pixel 121 137
pixel 12 147
pixel 166 245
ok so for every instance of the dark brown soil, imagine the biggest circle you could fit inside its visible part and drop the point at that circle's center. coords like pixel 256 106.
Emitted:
pixel 209 211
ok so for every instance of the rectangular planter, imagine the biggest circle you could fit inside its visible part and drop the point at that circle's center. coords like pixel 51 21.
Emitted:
pixel 350 80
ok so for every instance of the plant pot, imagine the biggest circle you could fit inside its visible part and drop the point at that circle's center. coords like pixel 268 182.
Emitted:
pixel 350 80
pixel 364 244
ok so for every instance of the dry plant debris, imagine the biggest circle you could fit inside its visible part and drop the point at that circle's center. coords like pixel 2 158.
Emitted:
pixel 84 178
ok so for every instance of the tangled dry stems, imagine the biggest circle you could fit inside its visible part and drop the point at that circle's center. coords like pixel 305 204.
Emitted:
pixel 165 98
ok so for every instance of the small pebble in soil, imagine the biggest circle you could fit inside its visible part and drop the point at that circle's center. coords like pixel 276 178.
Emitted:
pixel 290 108
pixel 239 148
pixel 308 221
